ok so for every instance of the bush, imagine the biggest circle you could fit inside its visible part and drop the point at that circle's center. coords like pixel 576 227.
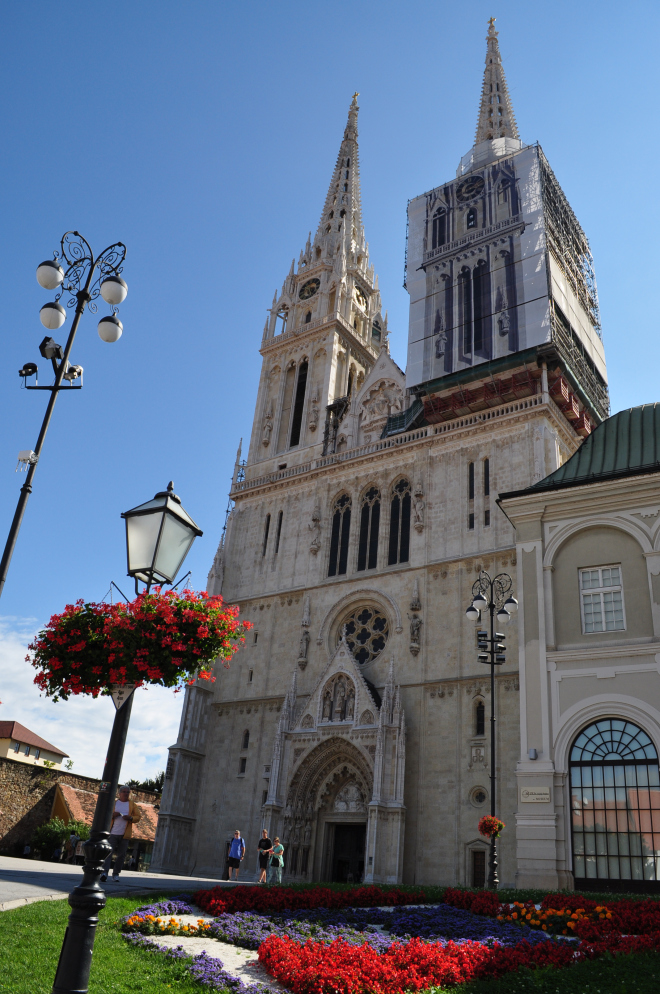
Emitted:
pixel 49 837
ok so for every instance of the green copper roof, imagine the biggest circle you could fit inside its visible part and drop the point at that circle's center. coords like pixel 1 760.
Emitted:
pixel 627 444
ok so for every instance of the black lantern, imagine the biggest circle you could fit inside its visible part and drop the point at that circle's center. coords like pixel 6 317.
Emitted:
pixel 158 537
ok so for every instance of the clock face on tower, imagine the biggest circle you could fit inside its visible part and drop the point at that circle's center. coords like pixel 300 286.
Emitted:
pixel 309 288
pixel 469 189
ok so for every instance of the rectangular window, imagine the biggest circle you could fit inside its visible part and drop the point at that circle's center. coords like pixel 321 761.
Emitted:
pixel 264 797
pixel 242 763
pixel 471 481
pixel 601 594
pixel 278 534
pixel 37 753
pixel 250 675
pixel 486 477
pixel 27 750
pixel 17 746
pixel 487 517
pixel 470 521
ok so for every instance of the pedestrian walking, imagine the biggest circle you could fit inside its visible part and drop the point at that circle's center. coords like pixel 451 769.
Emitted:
pixel 264 847
pixel 276 862
pixel 125 815
pixel 236 854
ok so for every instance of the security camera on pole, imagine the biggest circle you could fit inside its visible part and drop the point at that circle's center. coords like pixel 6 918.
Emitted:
pixel 84 279
pixel 491 595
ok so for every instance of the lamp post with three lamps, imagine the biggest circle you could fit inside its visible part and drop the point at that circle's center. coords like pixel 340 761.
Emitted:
pixel 84 279
pixel 490 594
pixel 159 535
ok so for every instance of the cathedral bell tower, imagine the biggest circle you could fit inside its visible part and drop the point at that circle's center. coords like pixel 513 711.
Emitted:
pixel 324 332
pixel 503 300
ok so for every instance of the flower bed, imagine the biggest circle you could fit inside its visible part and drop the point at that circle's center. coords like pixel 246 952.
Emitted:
pixel 206 970
pixel 566 914
pixel 339 968
pixel 369 950
pixel 265 899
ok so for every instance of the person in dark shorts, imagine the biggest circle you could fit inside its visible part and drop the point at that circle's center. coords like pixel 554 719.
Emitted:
pixel 236 854
pixel 264 847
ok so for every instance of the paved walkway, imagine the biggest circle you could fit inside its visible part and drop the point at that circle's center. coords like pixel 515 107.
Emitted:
pixel 23 881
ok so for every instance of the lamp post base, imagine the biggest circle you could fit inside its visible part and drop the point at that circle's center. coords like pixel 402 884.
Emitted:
pixel 493 879
pixel 86 901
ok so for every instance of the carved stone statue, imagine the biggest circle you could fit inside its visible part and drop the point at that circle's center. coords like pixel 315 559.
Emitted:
pixel 415 627
pixel 315 528
pixel 267 427
pixel 304 645
pixel 327 705
pixel 350 705
pixel 339 702
pixel 314 414
pixel 441 344
pixel 308 834
pixel 418 508
pixel 504 323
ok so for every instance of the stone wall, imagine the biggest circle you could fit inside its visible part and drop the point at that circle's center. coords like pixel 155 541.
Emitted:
pixel 26 800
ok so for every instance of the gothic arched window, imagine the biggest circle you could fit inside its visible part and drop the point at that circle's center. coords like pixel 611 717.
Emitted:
pixel 439 228
pixel 471 218
pixel 481 306
pixel 341 526
pixel 246 739
pixel 615 800
pixel 308 317
pixel 480 719
pixel 266 531
pixel 465 302
pixel 299 403
pixel 369 528
pixel 399 544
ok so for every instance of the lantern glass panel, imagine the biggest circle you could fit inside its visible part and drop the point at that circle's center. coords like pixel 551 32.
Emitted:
pixel 175 540
pixel 142 536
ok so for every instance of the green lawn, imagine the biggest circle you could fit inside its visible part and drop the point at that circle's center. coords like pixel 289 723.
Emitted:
pixel 31 937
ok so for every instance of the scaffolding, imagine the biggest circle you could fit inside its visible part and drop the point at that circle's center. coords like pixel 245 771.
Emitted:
pixel 568 243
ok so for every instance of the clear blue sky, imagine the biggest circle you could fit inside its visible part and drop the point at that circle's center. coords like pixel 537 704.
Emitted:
pixel 203 135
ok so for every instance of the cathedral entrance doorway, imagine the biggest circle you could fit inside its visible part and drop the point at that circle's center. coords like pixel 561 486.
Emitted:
pixel 348 853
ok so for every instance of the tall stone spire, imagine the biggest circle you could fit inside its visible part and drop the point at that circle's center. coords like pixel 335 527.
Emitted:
pixel 342 211
pixel 496 117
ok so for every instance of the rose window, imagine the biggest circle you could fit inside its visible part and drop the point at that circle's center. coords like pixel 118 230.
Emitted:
pixel 367 630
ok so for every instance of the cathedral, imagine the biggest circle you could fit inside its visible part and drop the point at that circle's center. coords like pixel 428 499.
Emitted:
pixel 354 723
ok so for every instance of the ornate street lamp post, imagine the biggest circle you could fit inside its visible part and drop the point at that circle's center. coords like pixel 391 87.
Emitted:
pixel 491 595
pixel 159 535
pixel 75 271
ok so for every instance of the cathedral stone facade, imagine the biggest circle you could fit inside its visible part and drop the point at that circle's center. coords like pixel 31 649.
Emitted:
pixel 352 724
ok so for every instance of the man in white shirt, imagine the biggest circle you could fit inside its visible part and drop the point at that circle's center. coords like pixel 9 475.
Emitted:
pixel 125 815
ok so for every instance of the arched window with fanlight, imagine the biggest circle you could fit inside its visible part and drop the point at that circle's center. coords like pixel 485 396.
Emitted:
pixel 615 805
pixel 369 528
pixel 341 527
pixel 399 542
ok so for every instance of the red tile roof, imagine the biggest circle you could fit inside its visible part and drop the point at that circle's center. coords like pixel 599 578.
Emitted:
pixel 82 804
pixel 14 730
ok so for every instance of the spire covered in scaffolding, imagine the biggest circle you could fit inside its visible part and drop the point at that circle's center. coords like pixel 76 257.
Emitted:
pixel 496 117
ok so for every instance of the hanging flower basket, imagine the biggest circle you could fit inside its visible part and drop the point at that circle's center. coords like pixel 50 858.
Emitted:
pixel 490 827
pixel 159 638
